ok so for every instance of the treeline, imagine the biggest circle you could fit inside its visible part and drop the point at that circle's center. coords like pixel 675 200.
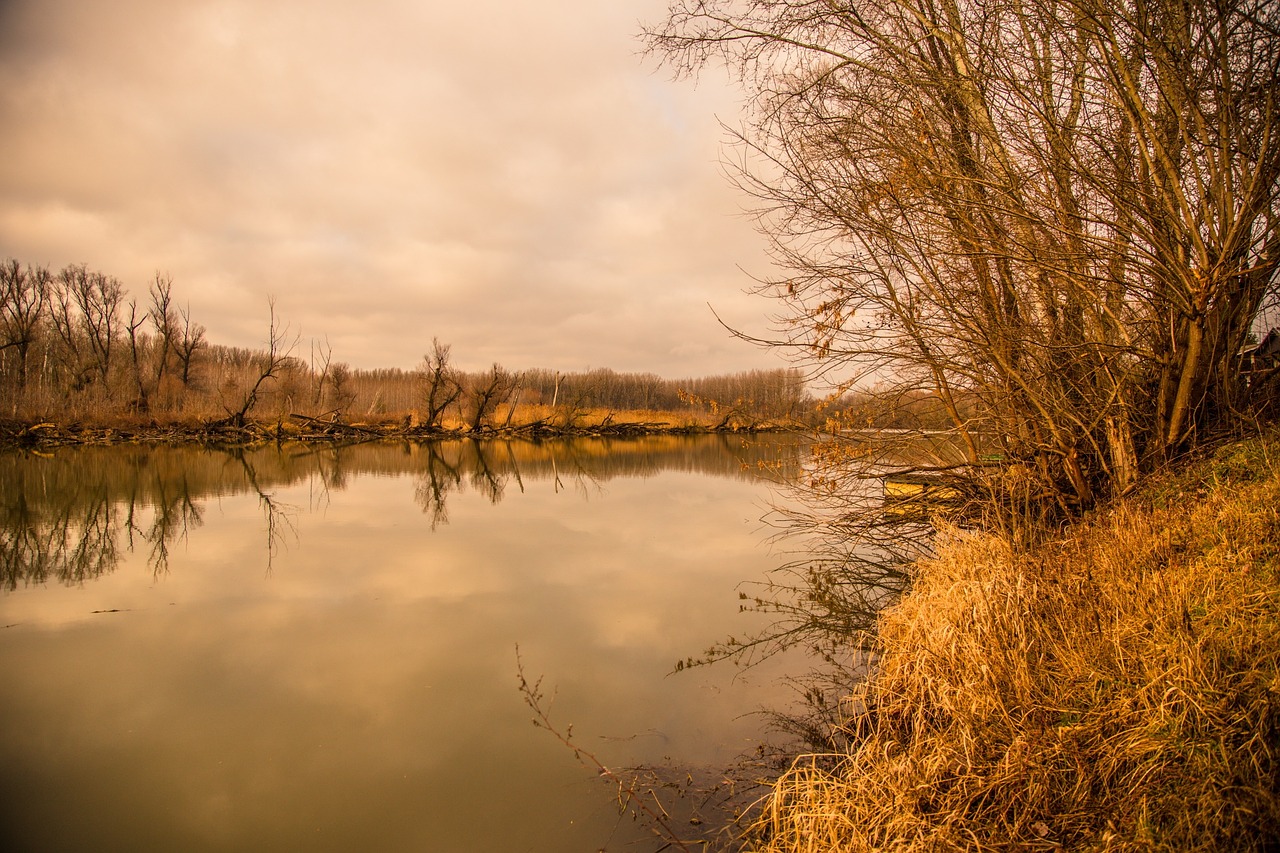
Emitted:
pixel 438 394
pixel 74 345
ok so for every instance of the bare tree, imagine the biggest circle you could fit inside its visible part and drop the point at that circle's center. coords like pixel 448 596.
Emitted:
pixel 136 344
pixel 513 396
pixel 97 299
pixel 24 293
pixel 271 364
pixel 164 319
pixel 323 356
pixel 1059 217
pixel 190 340
pixel 340 376
pixel 442 385
pixel 486 392
pixel 67 351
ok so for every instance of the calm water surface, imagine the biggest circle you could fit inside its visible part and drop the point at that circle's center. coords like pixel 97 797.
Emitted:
pixel 315 649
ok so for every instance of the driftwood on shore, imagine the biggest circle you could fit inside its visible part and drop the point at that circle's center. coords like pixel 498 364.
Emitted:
pixel 306 428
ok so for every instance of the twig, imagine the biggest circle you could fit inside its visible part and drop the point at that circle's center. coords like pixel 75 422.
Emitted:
pixel 627 796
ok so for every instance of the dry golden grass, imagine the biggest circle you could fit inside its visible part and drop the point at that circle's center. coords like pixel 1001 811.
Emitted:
pixel 1116 690
pixel 586 418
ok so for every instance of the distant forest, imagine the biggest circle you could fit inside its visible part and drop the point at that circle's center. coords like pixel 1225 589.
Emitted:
pixel 74 345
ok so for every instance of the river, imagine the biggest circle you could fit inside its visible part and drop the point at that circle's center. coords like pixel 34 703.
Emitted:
pixel 315 648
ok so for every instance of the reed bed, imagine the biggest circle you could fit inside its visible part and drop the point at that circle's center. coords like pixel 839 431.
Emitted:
pixel 1116 689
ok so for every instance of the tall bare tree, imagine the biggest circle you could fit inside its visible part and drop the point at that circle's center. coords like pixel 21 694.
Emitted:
pixel 88 316
pixel 441 383
pixel 321 362
pixel 66 327
pixel 1060 216
pixel 24 293
pixel 164 319
pixel 137 346
pixel 270 365
pixel 189 341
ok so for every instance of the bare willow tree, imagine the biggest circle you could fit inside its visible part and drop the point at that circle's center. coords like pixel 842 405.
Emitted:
pixel 486 391
pixel 1060 216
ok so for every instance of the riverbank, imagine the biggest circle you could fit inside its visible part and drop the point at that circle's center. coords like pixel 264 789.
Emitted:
pixel 304 428
pixel 1116 689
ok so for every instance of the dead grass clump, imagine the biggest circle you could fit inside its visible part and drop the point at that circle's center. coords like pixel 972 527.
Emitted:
pixel 587 418
pixel 1116 690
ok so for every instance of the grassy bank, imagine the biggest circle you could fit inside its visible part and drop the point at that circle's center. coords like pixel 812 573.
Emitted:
pixel 1116 689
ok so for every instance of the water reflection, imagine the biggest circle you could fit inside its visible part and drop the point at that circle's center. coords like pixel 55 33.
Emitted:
pixel 67 541
pixel 361 694
pixel 67 517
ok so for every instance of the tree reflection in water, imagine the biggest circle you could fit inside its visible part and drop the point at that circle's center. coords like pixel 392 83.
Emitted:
pixel 72 516
pixel 174 513
pixel 435 483
pixel 69 542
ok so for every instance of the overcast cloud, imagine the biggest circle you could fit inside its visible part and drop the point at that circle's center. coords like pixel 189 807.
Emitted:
pixel 511 177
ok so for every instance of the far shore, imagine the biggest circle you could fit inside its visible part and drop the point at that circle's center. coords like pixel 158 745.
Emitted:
pixel 306 429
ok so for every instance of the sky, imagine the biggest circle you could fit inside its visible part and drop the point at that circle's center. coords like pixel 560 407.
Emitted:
pixel 514 178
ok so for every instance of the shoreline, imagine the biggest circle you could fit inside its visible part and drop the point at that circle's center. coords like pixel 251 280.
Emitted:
pixel 296 428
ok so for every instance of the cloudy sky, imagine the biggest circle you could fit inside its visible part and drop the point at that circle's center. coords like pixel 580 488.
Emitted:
pixel 512 177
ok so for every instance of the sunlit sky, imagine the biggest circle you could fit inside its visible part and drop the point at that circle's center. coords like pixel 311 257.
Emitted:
pixel 512 177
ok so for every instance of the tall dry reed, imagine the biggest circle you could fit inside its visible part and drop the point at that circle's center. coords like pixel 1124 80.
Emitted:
pixel 1115 690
